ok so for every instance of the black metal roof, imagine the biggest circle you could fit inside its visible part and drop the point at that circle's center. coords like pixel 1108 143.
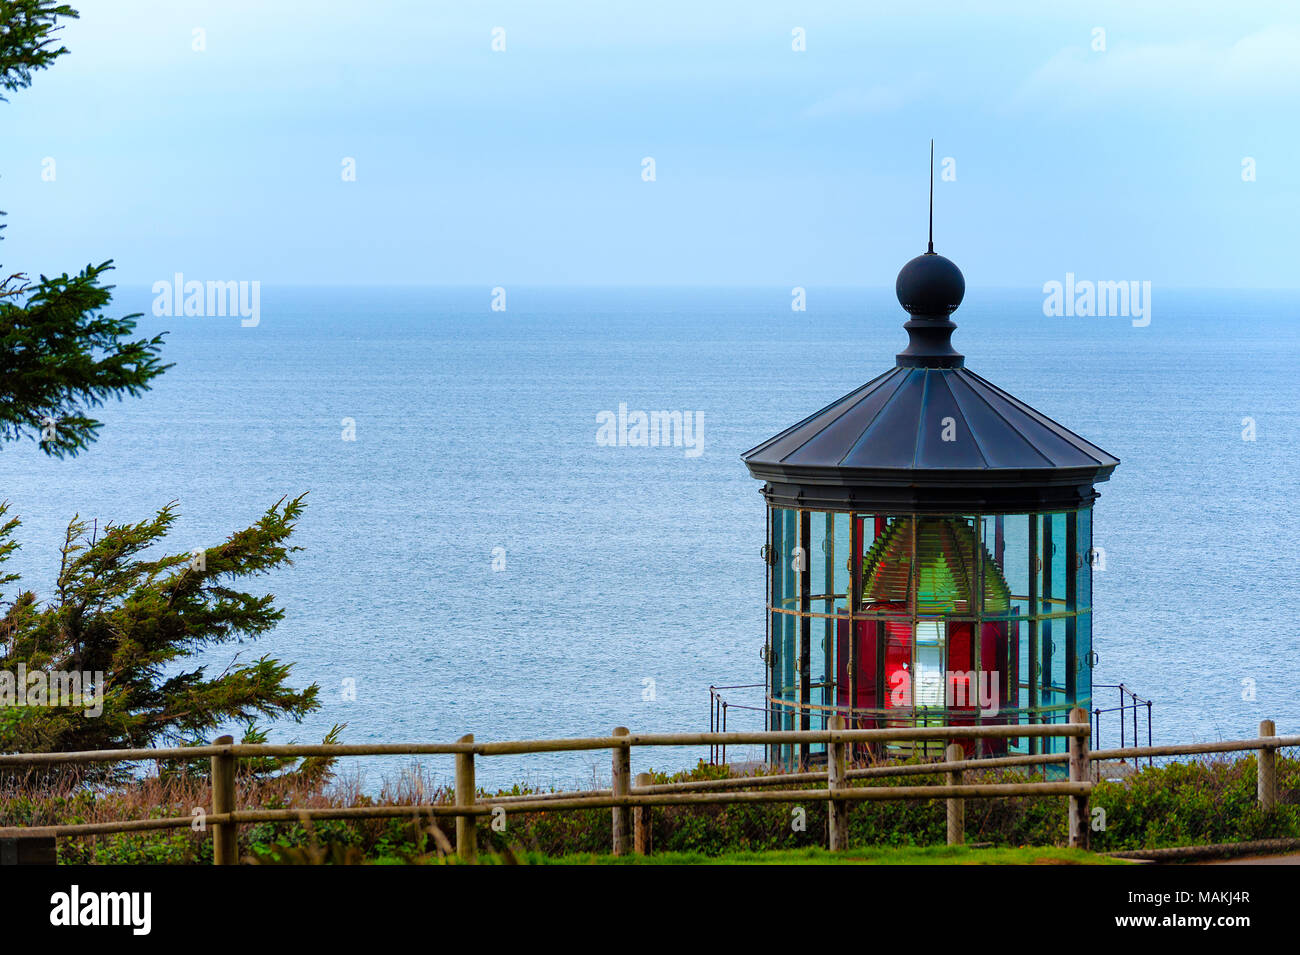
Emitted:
pixel 929 434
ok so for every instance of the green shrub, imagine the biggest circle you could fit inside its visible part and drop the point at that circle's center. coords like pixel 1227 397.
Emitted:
pixel 1177 804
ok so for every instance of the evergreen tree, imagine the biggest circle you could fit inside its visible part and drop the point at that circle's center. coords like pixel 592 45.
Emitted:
pixel 134 617
pixel 119 612
pixel 59 354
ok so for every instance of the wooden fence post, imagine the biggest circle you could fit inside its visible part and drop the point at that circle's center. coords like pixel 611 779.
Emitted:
pixel 642 842
pixel 622 785
pixel 28 850
pixel 956 807
pixel 1266 776
pixel 225 836
pixel 1080 772
pixel 837 768
pixel 467 825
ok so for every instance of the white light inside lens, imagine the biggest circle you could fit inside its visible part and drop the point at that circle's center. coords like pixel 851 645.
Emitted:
pixel 928 670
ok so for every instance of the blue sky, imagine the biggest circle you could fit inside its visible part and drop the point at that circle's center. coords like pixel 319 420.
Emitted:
pixel 772 166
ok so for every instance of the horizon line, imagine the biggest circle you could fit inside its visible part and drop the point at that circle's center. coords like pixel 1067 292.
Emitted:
pixel 686 285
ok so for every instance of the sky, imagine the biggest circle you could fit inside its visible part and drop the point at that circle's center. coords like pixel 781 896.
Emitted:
pixel 1119 155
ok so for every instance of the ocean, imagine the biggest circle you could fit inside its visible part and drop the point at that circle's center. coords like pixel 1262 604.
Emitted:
pixel 476 561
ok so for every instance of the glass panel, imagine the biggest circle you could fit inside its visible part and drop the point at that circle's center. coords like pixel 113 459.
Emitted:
pixel 868 635
pixel 821 566
pixel 1010 551
pixel 1060 555
pixel 843 559
pixel 785 537
pixel 817 648
pixel 927 669
pixel 898 664
pixel 1084 558
pixel 961 660
pixel 788 560
pixel 1052 655
pixel 1052 563
pixel 1043 562
pixel 998 661
pixel 1083 677
pixel 1023 670
pixel 787 655
pixel 826 696
pixel 931 564
pixel 773 653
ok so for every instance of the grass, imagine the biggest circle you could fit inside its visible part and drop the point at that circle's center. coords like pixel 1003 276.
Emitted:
pixel 911 855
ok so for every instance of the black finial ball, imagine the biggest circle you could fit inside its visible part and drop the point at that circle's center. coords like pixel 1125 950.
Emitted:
pixel 930 285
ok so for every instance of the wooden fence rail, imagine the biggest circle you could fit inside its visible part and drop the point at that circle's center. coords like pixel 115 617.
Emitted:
pixel 631 804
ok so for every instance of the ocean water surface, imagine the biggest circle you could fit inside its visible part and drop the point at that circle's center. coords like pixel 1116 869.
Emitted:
pixel 630 568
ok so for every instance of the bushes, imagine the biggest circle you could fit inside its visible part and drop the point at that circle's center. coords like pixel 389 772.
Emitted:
pixel 167 847
pixel 1194 804
pixel 1177 804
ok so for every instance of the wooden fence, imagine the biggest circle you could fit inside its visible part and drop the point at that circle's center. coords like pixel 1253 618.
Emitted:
pixel 631 803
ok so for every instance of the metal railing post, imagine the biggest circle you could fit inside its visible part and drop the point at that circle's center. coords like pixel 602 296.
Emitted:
pixel 1135 723
pixel 724 729
pixel 1122 742
pixel 713 724
pixel 1150 763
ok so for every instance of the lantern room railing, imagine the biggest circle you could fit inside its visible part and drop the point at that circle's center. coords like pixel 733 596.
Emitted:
pixel 775 712
pixel 718 705
pixel 1129 703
